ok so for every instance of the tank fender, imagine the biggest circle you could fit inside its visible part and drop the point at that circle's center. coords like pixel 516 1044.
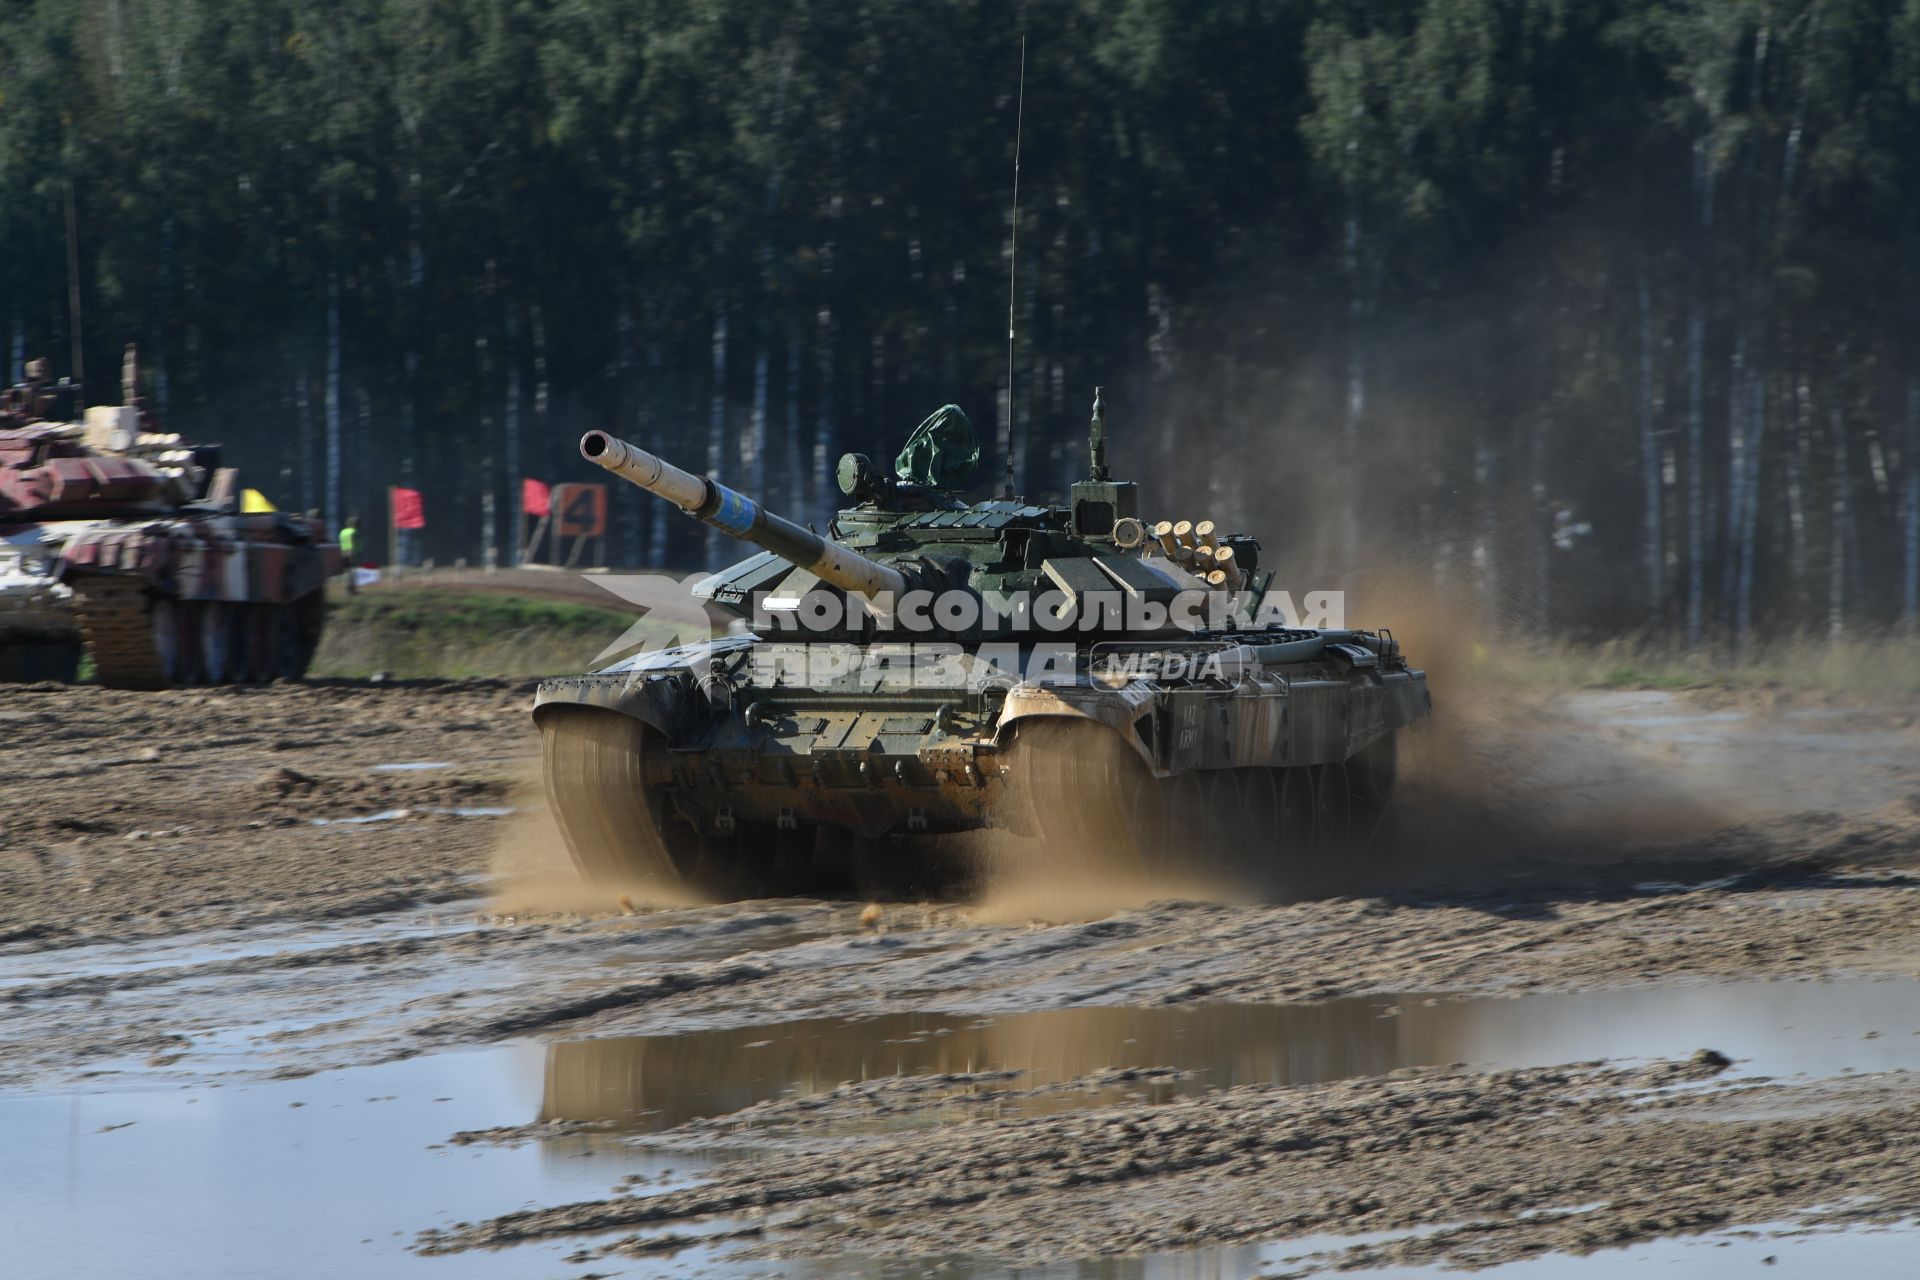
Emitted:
pixel 1386 705
pixel 1406 696
pixel 665 701
pixel 1258 720
pixel 1119 709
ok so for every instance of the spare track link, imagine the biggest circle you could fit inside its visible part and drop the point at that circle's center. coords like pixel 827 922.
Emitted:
pixel 114 618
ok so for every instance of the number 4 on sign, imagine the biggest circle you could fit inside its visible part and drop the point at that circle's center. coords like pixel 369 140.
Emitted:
pixel 579 512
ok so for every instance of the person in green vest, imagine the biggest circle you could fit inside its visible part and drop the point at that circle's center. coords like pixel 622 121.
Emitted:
pixel 349 538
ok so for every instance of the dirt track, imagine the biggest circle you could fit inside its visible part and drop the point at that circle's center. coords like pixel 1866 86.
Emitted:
pixel 128 814
pixel 170 911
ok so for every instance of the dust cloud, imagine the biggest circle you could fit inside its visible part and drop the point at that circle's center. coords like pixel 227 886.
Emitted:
pixel 1098 849
pixel 530 873
pixel 1500 778
pixel 1504 772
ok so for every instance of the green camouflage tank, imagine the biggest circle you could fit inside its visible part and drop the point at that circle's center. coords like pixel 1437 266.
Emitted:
pixel 932 666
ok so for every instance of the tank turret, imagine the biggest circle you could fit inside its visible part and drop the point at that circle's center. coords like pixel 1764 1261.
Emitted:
pixel 931 566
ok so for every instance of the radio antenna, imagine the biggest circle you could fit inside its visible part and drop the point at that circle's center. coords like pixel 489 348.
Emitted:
pixel 75 345
pixel 1013 254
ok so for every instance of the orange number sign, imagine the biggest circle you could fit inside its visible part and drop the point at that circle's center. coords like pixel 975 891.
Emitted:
pixel 580 510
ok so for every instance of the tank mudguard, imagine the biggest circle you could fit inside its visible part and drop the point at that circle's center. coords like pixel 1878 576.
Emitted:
pixel 1264 721
pixel 1119 709
pixel 659 688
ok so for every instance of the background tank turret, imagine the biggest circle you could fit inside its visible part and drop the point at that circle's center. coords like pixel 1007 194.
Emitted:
pixel 930 665
pixel 127 541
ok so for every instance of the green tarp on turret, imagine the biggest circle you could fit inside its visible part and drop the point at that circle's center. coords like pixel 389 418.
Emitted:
pixel 941 452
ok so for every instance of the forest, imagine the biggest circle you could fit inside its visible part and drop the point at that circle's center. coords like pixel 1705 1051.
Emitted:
pixel 1601 315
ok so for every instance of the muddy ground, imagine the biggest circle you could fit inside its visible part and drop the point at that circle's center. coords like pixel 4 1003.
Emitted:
pixel 1473 1044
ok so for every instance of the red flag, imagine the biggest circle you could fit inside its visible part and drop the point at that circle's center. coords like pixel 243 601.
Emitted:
pixel 408 512
pixel 535 498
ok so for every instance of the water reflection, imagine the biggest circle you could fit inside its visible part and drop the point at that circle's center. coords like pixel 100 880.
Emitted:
pixel 648 1083
pixel 331 1175
pixel 655 1082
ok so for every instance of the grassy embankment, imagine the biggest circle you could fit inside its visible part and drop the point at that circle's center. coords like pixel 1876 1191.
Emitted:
pixel 451 633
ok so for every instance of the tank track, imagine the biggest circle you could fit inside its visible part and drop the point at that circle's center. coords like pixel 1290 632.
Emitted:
pixel 114 619
pixel 1248 823
pixel 622 832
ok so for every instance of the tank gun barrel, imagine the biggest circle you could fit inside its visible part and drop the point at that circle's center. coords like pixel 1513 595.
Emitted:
pixel 741 517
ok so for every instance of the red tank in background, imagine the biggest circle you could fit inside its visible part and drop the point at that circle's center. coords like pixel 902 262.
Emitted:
pixel 122 540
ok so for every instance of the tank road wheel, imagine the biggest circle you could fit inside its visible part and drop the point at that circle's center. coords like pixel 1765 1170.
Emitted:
pixel 1283 804
pixel 266 638
pixel 754 860
pixel 1372 771
pixel 1332 807
pixel 1296 814
pixel 1262 819
pixel 893 867
pixel 620 829
pixel 715 867
pixel 285 630
pixel 191 614
pixel 1223 821
pixel 1370 775
pixel 216 641
pixel 1207 824
pixel 167 626
pixel 253 640
pixel 1080 780
pixel 309 621
pixel 1151 831
pixel 49 660
pixel 787 862
pixel 240 637
pixel 1188 839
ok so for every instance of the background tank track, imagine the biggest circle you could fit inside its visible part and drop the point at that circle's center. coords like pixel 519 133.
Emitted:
pixel 261 642
pixel 115 618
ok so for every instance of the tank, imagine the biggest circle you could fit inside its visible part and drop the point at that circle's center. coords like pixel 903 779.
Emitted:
pixel 930 665
pixel 123 540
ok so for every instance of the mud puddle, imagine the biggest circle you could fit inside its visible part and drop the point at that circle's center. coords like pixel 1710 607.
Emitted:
pixel 397 815
pixel 333 1175
pixel 118 959
pixel 1781 1252
pixel 336 1173
pixel 287 999
pixel 325 1177
pixel 1788 1253
pixel 654 1083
